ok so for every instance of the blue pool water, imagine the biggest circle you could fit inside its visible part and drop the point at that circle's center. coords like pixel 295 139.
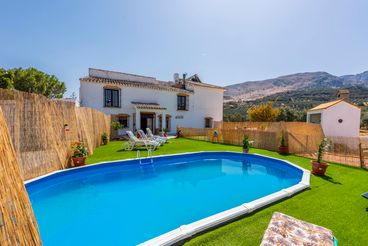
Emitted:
pixel 124 203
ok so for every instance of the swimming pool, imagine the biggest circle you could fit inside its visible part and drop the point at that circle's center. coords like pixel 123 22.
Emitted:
pixel 136 201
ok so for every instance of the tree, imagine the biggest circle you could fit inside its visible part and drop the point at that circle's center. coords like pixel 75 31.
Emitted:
pixel 263 112
pixel 6 79
pixel 289 114
pixel 32 80
pixel 364 118
pixel 234 117
pixel 365 123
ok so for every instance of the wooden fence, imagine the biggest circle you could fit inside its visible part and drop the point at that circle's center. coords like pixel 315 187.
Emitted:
pixel 261 139
pixel 348 151
pixel 302 138
pixel 266 135
pixel 17 222
pixel 363 151
pixel 294 127
pixel 42 130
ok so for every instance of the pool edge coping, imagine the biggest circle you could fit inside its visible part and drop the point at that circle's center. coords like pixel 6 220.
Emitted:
pixel 186 231
pixel 153 157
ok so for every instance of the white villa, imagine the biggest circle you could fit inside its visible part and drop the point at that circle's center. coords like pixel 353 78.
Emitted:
pixel 338 118
pixel 138 102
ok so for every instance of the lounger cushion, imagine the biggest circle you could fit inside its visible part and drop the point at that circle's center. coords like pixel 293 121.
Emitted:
pixel 286 230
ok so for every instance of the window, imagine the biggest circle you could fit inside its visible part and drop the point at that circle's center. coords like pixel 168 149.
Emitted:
pixel 112 98
pixel 160 121
pixel 168 122
pixel 183 102
pixel 315 118
pixel 208 122
pixel 124 120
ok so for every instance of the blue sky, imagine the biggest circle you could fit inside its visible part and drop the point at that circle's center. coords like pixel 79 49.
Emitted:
pixel 226 42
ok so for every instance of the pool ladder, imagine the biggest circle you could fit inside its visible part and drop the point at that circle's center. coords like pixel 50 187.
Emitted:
pixel 149 155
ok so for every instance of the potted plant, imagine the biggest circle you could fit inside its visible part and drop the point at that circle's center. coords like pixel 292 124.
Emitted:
pixel 318 166
pixel 116 125
pixel 178 133
pixel 79 153
pixel 105 138
pixel 283 148
pixel 215 135
pixel 165 132
pixel 246 144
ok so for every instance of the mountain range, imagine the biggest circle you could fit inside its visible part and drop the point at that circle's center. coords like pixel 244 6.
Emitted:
pixel 252 90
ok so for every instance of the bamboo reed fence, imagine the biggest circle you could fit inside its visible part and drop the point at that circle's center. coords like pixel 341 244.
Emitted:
pixel 302 138
pixel 17 222
pixel 42 130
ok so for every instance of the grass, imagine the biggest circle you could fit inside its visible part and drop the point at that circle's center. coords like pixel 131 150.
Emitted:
pixel 333 201
pixel 114 151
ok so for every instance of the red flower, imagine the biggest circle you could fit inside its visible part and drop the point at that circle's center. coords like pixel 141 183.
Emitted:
pixel 77 143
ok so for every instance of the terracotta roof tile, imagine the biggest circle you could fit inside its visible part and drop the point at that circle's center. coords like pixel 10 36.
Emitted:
pixel 329 104
pixel 141 105
pixel 156 86
pixel 206 85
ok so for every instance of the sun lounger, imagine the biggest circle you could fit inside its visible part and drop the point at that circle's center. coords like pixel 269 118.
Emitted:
pixel 150 135
pixel 286 230
pixel 145 137
pixel 134 142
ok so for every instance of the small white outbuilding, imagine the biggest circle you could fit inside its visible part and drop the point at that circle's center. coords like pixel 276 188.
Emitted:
pixel 338 118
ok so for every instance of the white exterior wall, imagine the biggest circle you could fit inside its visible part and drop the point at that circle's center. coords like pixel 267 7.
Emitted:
pixel 204 102
pixel 350 116
pixel 207 102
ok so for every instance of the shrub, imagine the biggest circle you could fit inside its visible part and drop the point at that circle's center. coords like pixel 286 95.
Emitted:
pixel 105 138
pixel 264 112
pixel 116 125
pixel 246 143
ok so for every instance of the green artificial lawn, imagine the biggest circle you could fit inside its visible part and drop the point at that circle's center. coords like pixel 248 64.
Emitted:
pixel 333 201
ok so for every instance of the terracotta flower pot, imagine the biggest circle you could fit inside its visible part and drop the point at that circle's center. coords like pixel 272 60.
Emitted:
pixel 319 168
pixel 79 161
pixel 284 150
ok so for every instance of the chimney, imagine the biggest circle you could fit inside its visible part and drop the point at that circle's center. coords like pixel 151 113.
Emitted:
pixel 183 84
pixel 184 76
pixel 176 78
pixel 343 94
